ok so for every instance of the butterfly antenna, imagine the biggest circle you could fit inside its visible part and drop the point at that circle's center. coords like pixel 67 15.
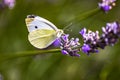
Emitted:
pixel 67 27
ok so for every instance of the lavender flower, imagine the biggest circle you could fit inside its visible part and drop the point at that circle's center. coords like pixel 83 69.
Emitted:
pixel 111 33
pixel 56 43
pixel 9 3
pixel 86 48
pixel 92 40
pixel 69 46
pixel 106 5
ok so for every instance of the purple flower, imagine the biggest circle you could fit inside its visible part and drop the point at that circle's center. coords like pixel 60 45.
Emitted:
pixel 86 48
pixel 83 31
pixel 64 52
pixel 9 3
pixel 92 40
pixel 56 43
pixel 111 33
pixel 90 37
pixel 71 47
pixel 106 5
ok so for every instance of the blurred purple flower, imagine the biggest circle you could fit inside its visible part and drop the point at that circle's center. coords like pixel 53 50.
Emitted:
pixel 7 3
pixel 106 5
pixel 111 33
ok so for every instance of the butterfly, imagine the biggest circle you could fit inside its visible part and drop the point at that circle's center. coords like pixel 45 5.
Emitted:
pixel 42 33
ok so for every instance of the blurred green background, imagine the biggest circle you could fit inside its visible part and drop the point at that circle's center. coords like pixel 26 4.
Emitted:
pixel 13 38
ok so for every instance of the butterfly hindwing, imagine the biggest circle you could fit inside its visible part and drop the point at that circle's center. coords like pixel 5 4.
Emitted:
pixel 42 38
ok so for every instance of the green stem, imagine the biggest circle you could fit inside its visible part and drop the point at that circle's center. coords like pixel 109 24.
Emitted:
pixel 83 16
pixel 87 14
pixel 5 57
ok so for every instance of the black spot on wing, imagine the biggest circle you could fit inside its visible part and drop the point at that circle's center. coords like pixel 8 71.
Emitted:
pixel 36 27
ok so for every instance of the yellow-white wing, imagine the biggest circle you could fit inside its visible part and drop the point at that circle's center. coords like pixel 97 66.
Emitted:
pixel 42 38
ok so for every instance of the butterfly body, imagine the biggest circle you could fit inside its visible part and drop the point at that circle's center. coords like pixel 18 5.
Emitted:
pixel 42 33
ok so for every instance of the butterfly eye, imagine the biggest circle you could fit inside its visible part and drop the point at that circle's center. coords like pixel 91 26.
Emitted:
pixel 36 27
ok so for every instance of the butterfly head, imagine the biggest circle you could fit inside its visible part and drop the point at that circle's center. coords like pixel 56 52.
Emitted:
pixel 59 33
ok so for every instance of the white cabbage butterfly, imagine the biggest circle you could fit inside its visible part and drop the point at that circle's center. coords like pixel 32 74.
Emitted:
pixel 42 33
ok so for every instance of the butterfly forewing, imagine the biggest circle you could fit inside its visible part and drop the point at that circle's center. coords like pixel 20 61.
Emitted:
pixel 39 23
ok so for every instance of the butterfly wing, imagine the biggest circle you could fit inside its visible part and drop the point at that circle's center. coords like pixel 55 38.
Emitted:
pixel 39 23
pixel 42 32
pixel 42 38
